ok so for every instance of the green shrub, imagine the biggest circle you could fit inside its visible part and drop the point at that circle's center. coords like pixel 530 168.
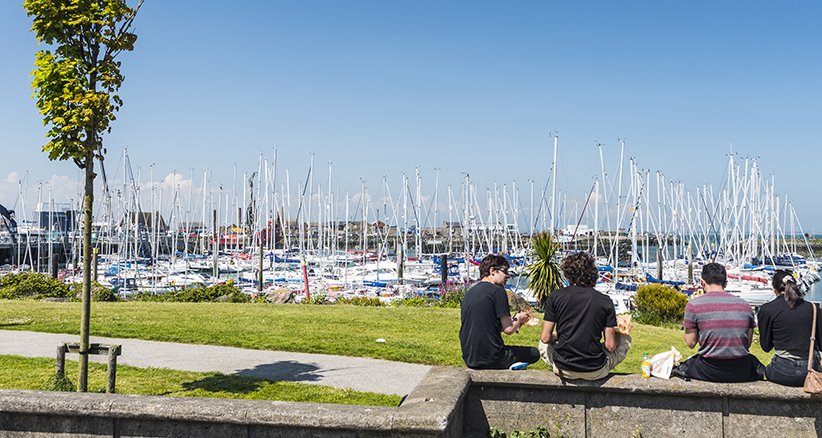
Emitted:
pixel 30 285
pixel 226 292
pixel 540 432
pixel 657 304
pixel 317 299
pixel 451 298
pixel 58 383
pixel 98 292
pixel 361 301
pixel 415 302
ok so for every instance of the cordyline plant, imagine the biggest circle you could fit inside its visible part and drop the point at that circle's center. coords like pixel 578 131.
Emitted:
pixel 544 275
pixel 75 83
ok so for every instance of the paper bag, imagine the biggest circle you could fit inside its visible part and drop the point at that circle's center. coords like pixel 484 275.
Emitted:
pixel 663 363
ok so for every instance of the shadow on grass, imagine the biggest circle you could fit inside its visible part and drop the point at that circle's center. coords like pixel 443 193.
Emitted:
pixel 250 380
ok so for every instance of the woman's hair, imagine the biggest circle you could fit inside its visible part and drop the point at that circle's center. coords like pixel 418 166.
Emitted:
pixel 784 282
pixel 580 270
pixel 492 261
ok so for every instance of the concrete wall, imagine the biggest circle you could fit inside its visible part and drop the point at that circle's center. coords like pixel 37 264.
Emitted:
pixel 626 406
pixel 433 409
pixel 448 402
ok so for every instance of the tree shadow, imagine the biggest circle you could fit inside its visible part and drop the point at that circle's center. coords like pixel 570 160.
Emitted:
pixel 288 370
pixel 250 380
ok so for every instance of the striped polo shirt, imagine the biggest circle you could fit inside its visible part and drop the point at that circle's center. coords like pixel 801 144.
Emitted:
pixel 723 321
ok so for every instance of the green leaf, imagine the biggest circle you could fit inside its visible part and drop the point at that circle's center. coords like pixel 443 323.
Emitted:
pixel 544 274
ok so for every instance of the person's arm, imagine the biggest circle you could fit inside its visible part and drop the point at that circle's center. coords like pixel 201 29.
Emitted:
pixel 547 332
pixel 691 337
pixel 765 333
pixel 609 329
pixel 511 326
pixel 750 337
pixel 610 339
pixel 690 326
pixel 818 328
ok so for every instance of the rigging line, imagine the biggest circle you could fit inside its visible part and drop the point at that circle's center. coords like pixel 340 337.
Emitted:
pixel 636 205
pixel 411 198
pixel 711 223
pixel 584 207
pixel 431 207
pixel 522 212
pixel 542 201
pixel 302 197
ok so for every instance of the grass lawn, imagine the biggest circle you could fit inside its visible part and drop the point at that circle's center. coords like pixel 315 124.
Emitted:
pixel 31 373
pixel 415 335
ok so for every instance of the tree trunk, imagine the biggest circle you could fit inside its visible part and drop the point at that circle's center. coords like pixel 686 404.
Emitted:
pixel 88 201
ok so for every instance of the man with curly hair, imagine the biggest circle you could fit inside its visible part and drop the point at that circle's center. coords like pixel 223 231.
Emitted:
pixel 582 316
pixel 485 314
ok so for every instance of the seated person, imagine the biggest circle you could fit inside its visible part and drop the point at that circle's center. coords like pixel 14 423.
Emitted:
pixel 785 326
pixel 582 316
pixel 485 314
pixel 723 325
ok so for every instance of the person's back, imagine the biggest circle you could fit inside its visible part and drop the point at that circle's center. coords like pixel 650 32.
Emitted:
pixel 485 315
pixel 723 321
pixel 581 315
pixel 785 329
pixel 480 332
pixel 785 326
pixel 723 325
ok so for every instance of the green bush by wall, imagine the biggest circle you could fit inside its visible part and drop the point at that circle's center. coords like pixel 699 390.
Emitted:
pixel 657 304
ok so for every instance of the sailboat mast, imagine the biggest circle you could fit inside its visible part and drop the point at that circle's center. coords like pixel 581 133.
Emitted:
pixel 554 185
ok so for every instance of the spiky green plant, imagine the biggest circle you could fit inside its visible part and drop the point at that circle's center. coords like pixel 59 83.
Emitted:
pixel 544 275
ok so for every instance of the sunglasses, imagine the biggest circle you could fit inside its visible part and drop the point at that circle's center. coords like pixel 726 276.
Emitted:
pixel 503 270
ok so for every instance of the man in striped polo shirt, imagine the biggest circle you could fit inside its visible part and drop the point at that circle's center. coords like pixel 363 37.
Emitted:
pixel 723 325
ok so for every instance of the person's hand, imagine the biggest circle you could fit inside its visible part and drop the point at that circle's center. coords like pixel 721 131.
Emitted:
pixel 624 325
pixel 523 318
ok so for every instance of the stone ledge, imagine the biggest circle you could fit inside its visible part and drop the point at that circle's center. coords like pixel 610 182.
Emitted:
pixel 448 402
pixel 635 383
pixel 192 409
pixel 433 408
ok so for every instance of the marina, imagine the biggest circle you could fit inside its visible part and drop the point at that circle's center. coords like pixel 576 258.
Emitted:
pixel 314 240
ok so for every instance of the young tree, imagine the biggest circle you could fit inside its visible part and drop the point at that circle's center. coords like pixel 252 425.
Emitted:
pixel 544 275
pixel 76 80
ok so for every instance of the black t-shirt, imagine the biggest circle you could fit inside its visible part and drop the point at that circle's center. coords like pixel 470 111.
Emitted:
pixel 482 307
pixel 581 314
pixel 788 329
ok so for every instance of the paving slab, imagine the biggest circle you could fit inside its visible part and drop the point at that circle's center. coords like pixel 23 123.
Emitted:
pixel 361 374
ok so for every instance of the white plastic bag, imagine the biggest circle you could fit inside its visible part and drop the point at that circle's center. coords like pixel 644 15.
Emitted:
pixel 663 363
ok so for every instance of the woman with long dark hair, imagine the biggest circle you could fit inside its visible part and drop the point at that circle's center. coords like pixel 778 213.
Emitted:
pixel 785 327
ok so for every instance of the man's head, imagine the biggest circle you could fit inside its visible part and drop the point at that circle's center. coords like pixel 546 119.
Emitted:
pixel 580 269
pixel 494 268
pixel 714 274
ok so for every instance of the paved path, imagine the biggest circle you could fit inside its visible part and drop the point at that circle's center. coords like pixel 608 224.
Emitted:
pixel 361 374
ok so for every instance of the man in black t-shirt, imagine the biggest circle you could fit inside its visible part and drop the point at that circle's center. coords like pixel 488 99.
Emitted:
pixel 582 316
pixel 485 314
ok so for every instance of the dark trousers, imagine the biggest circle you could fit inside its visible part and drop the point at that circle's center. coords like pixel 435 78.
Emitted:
pixel 512 354
pixel 788 372
pixel 744 369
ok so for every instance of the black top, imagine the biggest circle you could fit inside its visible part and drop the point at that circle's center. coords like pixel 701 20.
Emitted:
pixel 482 307
pixel 581 314
pixel 788 329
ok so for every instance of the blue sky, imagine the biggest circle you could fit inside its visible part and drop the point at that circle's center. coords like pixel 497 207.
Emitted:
pixel 381 88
